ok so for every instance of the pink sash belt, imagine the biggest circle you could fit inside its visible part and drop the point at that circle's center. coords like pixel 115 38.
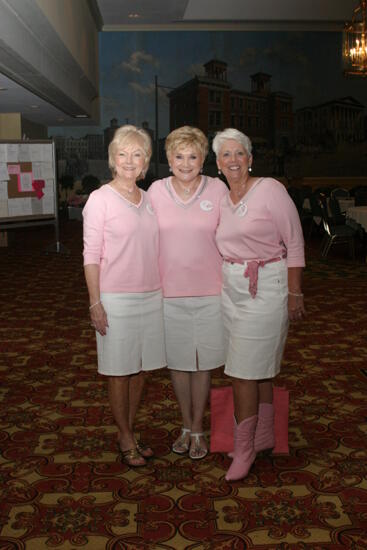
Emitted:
pixel 252 270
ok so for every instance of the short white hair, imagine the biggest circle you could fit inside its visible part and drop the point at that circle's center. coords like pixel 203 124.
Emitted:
pixel 231 133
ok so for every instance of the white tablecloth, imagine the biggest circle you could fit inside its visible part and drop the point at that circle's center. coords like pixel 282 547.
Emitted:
pixel 359 215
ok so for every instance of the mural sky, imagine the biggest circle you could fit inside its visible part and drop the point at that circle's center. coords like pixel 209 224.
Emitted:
pixel 307 65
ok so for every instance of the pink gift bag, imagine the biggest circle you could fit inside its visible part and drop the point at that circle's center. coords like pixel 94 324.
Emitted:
pixel 221 404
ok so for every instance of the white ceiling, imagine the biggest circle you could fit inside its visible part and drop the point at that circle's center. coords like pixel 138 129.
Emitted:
pixel 16 99
pixel 129 15
pixel 191 14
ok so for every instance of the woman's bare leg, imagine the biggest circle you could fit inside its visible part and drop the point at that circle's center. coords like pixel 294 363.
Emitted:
pixel 118 391
pixel 245 398
pixel 265 390
pixel 136 387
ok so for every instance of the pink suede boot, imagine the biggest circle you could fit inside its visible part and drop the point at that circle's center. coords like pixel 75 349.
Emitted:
pixel 264 435
pixel 244 453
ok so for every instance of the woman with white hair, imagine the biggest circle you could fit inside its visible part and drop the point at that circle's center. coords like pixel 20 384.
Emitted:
pixel 260 239
pixel 122 275
pixel 187 208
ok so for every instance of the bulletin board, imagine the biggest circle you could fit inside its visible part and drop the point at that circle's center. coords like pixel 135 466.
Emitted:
pixel 28 188
pixel 27 180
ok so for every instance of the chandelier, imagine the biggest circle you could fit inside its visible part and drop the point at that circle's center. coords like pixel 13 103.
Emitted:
pixel 355 43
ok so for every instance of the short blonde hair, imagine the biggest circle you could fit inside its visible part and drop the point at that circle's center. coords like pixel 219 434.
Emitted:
pixel 186 136
pixel 125 135
pixel 231 133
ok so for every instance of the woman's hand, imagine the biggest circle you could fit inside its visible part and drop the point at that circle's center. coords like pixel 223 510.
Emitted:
pixel 99 318
pixel 296 308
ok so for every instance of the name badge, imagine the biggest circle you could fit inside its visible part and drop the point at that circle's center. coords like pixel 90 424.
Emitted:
pixel 242 210
pixel 149 209
pixel 206 206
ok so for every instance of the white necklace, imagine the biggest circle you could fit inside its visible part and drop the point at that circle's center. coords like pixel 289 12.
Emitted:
pixel 190 201
pixel 128 190
pixel 187 190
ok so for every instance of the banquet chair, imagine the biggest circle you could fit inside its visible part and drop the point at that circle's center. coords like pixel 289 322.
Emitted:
pixel 334 234
pixel 323 191
pixel 340 193
pixel 316 222
pixel 337 217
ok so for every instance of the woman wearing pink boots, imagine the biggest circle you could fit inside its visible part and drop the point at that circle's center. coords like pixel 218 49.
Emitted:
pixel 260 238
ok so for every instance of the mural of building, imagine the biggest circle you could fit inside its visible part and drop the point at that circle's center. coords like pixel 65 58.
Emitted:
pixel 331 123
pixel 71 147
pixel 108 134
pixel 95 146
pixel 211 103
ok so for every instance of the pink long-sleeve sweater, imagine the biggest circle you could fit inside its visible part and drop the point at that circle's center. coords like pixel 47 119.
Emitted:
pixel 122 239
pixel 263 226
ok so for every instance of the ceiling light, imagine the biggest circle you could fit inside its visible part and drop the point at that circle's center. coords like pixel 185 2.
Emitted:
pixel 35 107
pixel 133 16
pixel 355 43
pixel 81 116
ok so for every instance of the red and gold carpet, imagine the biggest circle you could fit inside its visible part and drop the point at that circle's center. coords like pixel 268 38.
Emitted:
pixel 63 484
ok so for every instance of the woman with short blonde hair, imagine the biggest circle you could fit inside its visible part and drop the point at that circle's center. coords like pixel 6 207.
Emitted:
pixel 187 208
pixel 122 275
pixel 125 135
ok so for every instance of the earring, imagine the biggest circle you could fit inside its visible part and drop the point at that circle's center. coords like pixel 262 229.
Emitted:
pixel 219 171
pixel 249 169
pixel 170 169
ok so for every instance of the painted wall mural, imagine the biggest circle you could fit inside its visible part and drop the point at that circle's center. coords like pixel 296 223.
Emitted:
pixel 286 90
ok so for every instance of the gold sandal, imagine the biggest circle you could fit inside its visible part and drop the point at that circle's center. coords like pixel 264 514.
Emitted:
pixel 144 449
pixel 131 456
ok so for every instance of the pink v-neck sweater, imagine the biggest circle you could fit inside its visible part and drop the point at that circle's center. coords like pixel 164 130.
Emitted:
pixel 122 239
pixel 266 225
pixel 189 261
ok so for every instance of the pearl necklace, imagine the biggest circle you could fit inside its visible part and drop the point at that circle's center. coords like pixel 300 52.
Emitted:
pixel 125 190
pixel 187 190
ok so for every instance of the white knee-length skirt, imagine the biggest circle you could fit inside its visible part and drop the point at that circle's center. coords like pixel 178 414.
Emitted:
pixel 194 333
pixel 135 333
pixel 255 328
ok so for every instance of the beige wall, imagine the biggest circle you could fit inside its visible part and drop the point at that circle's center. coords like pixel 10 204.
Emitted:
pixel 10 126
pixel 75 26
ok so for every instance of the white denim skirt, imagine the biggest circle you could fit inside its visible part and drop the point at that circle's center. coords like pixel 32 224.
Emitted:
pixel 255 328
pixel 135 333
pixel 194 333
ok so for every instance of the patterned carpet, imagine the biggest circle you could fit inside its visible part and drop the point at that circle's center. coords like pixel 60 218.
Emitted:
pixel 62 482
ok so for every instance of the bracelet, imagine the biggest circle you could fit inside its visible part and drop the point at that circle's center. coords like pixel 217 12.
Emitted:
pixel 297 294
pixel 96 304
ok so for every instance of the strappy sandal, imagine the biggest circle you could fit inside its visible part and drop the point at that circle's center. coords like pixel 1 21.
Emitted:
pixel 197 451
pixel 180 446
pixel 144 449
pixel 131 456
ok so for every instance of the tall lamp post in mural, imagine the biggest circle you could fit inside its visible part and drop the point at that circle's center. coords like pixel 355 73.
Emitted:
pixel 156 86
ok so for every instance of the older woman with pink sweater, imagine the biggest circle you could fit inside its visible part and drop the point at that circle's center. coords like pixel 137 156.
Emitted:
pixel 260 238
pixel 122 275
